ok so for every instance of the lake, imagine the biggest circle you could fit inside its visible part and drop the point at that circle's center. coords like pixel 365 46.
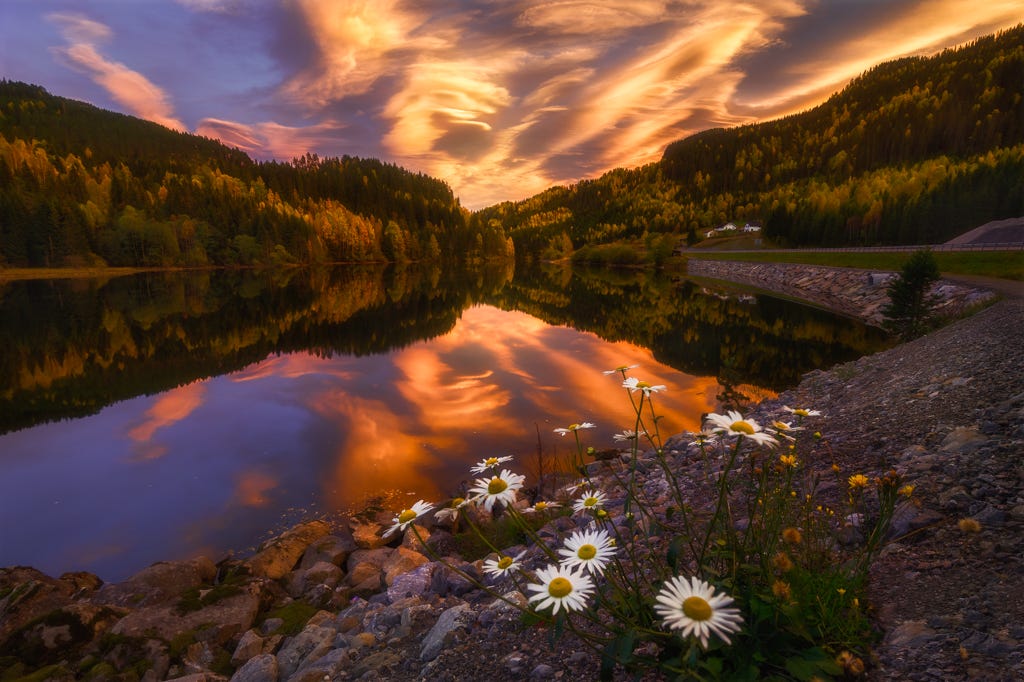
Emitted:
pixel 166 415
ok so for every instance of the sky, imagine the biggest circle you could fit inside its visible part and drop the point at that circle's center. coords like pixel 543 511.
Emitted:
pixel 501 99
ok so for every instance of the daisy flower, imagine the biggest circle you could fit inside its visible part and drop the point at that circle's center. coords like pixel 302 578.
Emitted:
pixel 703 440
pixel 574 427
pixel 541 506
pixel 733 424
pixel 621 369
pixel 626 436
pixel 634 385
pixel 589 550
pixel 499 488
pixel 489 463
pixel 696 609
pixel 450 513
pixel 784 429
pixel 801 411
pixel 590 500
pixel 561 587
pixel 407 516
pixel 503 565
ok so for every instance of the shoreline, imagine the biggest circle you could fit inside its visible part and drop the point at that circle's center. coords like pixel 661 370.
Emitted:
pixel 948 403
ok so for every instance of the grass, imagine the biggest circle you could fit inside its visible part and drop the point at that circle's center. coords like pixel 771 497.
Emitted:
pixel 1001 264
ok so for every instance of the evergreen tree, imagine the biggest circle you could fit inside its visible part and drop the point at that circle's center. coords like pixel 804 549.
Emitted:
pixel 910 310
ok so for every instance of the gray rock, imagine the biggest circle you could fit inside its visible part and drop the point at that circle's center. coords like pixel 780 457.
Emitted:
pixel 262 668
pixel 414 583
pixel 313 642
pixel 157 584
pixel 250 645
pixel 434 641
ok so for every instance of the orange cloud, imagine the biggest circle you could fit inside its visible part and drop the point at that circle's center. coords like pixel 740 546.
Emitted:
pixel 168 409
pixel 129 88
pixel 268 138
pixel 252 488
pixel 353 41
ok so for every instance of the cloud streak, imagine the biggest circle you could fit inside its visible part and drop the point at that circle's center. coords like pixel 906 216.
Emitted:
pixel 500 99
pixel 132 90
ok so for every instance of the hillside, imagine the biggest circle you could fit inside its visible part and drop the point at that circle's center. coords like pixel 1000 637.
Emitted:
pixel 81 186
pixel 913 151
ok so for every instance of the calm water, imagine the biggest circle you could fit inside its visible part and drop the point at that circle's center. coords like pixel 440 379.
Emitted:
pixel 169 415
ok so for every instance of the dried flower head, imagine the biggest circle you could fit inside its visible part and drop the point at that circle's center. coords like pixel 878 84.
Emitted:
pixel 792 536
pixel 969 525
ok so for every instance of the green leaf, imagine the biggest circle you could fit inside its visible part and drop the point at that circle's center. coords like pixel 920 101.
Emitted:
pixel 619 650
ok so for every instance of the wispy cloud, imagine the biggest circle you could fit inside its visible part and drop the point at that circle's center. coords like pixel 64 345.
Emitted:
pixel 132 90
pixel 504 99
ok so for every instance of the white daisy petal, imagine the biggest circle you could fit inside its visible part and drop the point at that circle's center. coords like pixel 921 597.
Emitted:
pixel 694 608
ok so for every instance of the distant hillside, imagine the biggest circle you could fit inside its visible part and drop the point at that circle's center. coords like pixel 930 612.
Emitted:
pixel 80 185
pixel 913 151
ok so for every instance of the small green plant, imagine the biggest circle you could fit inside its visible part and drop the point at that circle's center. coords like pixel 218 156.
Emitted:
pixel 909 312
pixel 764 579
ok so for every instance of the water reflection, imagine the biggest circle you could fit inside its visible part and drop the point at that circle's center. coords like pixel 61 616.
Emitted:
pixel 221 404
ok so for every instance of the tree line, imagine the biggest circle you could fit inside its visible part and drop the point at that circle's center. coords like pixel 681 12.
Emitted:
pixel 84 186
pixel 914 151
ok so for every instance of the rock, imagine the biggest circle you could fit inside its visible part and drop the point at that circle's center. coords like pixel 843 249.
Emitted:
pixel 414 583
pixel 401 561
pixel 200 677
pixel 909 633
pixel 157 584
pixel 313 642
pixel 224 619
pixel 279 556
pixel 28 595
pixel 322 573
pixel 367 535
pixel 963 439
pixel 450 620
pixel 250 645
pixel 334 549
pixel 262 668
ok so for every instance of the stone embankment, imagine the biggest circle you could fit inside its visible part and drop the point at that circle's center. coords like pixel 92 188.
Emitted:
pixel 858 293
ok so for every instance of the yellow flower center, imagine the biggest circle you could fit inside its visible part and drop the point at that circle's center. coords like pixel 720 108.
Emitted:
pixel 559 587
pixel 504 562
pixel 642 384
pixel 742 427
pixel 590 502
pixel 496 486
pixel 800 412
pixel 697 608
pixel 540 506
pixel 406 516
pixel 573 427
pixel 491 461
pixel 586 552
pixel 457 501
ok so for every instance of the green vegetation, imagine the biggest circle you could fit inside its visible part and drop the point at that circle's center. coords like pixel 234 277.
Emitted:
pixel 909 312
pixel 1002 264
pixel 914 151
pixel 294 614
pixel 80 186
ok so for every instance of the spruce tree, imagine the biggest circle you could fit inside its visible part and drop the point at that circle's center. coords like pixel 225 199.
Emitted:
pixel 910 310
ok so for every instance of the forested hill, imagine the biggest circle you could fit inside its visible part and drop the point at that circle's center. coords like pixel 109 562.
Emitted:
pixel 913 151
pixel 80 185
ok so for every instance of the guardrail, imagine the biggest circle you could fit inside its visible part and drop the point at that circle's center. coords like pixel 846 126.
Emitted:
pixel 1002 246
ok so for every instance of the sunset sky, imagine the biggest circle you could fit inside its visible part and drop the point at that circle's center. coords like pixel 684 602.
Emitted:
pixel 499 98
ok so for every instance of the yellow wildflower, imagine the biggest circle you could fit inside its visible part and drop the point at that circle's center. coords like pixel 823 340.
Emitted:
pixel 858 481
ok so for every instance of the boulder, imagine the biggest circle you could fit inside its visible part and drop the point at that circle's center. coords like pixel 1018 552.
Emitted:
pixel 28 595
pixel 367 535
pixel 334 549
pixel 322 573
pixel 249 646
pixel 311 644
pixel 440 633
pixel 157 584
pixel 262 668
pixel 414 583
pixel 277 557
pixel 401 561
pixel 221 621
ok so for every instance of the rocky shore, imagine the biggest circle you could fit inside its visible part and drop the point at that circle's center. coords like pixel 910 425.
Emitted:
pixel 329 602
